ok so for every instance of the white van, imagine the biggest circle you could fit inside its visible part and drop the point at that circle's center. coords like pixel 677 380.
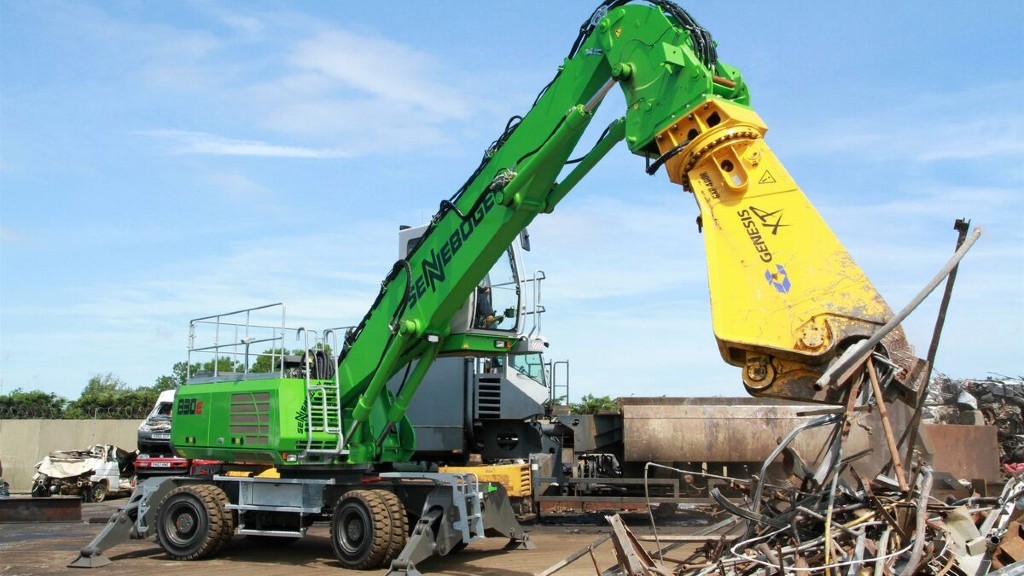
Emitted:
pixel 155 430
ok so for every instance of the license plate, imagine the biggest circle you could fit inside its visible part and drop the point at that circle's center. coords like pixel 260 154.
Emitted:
pixel 161 464
pixel 161 436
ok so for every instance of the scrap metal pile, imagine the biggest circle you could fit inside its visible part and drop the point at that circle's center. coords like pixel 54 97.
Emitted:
pixel 832 518
pixel 871 528
pixel 996 403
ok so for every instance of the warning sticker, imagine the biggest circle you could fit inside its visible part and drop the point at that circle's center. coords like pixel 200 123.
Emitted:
pixel 766 178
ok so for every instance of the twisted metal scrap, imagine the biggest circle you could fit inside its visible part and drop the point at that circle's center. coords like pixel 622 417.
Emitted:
pixel 827 526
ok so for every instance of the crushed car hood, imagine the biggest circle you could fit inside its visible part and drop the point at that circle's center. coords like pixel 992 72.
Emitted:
pixel 71 463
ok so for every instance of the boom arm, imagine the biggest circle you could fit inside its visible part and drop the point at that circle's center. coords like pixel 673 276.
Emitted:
pixel 786 297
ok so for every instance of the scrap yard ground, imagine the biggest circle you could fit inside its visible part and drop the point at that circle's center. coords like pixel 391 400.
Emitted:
pixel 46 548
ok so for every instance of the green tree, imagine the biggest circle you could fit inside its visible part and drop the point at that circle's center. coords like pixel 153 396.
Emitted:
pixel 165 383
pixel 270 359
pixel 178 376
pixel 181 370
pixel 551 403
pixel 129 404
pixel 33 404
pixel 591 404
pixel 109 397
pixel 223 364
pixel 105 384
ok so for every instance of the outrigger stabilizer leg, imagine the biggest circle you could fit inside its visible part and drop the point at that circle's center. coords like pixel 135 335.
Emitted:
pixel 454 513
pixel 133 521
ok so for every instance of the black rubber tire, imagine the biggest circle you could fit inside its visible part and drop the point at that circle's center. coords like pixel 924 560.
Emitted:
pixel 98 492
pixel 192 522
pixel 399 524
pixel 228 519
pixel 361 529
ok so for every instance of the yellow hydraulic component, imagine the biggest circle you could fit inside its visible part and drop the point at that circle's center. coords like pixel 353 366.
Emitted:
pixel 267 473
pixel 514 477
pixel 784 291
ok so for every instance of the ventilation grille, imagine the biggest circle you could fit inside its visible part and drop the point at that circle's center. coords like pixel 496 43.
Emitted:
pixel 249 423
pixel 488 400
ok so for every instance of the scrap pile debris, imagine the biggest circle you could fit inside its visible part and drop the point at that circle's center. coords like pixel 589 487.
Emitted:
pixel 990 402
pixel 831 519
pixel 874 528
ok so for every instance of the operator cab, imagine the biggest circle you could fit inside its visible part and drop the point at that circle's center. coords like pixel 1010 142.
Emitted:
pixel 495 306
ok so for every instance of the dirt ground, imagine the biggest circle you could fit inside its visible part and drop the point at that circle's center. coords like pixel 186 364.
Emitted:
pixel 46 548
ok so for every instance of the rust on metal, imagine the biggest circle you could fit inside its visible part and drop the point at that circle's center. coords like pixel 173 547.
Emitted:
pixel 699 430
pixel 967 452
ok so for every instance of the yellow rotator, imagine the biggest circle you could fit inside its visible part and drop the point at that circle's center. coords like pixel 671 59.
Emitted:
pixel 785 295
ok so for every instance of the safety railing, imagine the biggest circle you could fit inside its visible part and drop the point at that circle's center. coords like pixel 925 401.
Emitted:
pixel 221 349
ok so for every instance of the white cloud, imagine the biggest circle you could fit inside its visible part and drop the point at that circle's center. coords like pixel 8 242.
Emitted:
pixel 604 247
pixel 185 142
pixel 626 271
pixel 340 92
pixel 627 352
pixel 924 128
pixel 386 69
pixel 137 327
pixel 235 186
pixel 243 23
pixel 954 139
pixel 11 236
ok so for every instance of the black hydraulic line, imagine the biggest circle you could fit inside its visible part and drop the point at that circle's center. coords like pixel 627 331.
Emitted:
pixel 599 138
pixel 541 145
pixel 405 378
pixel 668 155
pixel 353 334
pixel 703 44
pixel 546 86
pixel 447 206
pixel 510 128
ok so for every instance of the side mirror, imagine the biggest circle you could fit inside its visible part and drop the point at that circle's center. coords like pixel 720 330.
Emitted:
pixel 524 240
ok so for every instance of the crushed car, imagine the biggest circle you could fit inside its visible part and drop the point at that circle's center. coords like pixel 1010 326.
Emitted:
pixel 93 473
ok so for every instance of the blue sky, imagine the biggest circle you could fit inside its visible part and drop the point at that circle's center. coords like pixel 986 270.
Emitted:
pixel 161 161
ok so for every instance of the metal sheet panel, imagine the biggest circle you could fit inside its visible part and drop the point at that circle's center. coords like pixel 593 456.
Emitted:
pixel 438 411
pixel 716 432
pixel 53 509
pixel 967 452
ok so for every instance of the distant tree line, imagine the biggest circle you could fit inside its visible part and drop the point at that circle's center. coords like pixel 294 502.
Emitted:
pixel 588 404
pixel 107 396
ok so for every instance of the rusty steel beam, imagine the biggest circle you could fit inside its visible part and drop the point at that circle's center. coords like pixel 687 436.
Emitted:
pixel 961 226
pixel 738 433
